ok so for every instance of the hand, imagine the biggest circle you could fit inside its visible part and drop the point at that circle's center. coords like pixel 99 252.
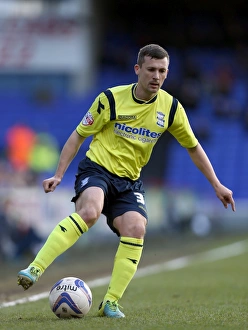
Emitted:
pixel 50 184
pixel 225 195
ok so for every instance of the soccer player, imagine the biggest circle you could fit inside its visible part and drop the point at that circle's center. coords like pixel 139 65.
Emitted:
pixel 125 122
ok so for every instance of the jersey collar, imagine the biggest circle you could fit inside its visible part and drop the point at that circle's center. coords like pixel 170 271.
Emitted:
pixel 141 101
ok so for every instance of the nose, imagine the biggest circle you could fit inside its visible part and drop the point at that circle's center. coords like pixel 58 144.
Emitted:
pixel 156 75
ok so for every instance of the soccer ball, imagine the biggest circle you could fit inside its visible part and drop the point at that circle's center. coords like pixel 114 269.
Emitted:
pixel 70 297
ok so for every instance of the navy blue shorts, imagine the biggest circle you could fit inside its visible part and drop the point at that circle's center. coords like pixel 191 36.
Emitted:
pixel 120 194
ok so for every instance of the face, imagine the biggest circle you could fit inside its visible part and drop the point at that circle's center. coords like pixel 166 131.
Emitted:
pixel 151 76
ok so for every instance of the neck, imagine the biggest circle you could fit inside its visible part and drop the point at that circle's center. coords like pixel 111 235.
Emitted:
pixel 141 95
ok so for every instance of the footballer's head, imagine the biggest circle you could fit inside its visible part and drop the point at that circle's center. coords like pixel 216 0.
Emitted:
pixel 153 51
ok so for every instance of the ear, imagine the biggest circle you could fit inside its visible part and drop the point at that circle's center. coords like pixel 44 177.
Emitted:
pixel 136 69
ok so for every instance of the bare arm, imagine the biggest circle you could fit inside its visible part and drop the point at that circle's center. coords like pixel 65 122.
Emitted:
pixel 201 160
pixel 68 152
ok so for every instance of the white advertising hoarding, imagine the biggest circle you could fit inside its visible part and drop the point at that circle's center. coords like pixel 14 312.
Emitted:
pixel 54 45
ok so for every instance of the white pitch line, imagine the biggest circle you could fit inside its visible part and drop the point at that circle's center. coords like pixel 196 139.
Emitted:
pixel 224 252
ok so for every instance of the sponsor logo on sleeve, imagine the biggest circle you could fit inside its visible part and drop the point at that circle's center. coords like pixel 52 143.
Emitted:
pixel 88 119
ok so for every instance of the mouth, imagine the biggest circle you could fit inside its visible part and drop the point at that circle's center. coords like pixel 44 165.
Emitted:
pixel 154 85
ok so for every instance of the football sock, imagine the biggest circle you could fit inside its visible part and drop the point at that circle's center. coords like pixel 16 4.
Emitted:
pixel 125 265
pixel 63 236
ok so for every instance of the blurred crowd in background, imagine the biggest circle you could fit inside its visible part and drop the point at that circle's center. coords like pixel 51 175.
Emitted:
pixel 55 56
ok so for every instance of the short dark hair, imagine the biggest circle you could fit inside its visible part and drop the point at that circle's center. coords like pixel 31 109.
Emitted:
pixel 153 51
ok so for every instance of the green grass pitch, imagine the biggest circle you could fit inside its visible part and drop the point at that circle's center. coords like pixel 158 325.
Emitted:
pixel 202 295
